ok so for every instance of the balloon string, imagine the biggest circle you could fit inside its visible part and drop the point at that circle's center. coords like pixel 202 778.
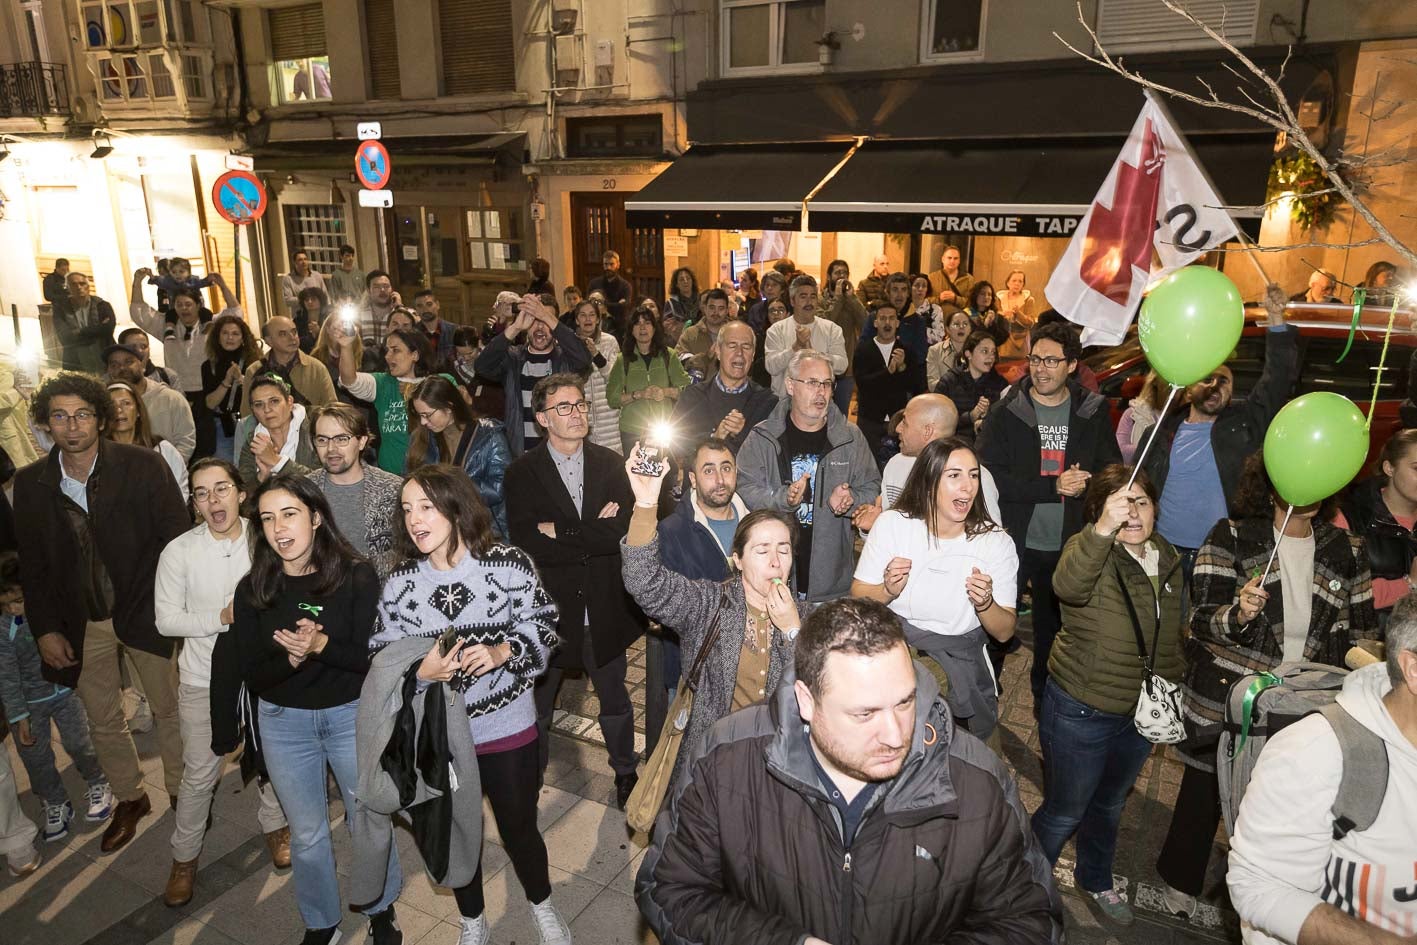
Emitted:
pixel 1382 363
pixel 1275 552
pixel 1155 428
pixel 1360 294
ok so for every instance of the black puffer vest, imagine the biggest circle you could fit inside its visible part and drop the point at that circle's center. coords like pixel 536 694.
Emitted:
pixel 1391 548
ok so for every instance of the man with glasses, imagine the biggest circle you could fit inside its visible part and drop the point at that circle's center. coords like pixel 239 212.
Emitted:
pixel 806 459
pixel 804 331
pixel 1041 442
pixel 728 404
pixel 568 506
pixel 364 499
pixel 84 323
pixel 95 516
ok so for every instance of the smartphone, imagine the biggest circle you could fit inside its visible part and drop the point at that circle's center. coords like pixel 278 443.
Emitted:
pixel 448 640
pixel 649 461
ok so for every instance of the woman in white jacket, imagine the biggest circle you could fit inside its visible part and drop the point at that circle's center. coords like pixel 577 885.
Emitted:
pixel 197 575
pixel 605 351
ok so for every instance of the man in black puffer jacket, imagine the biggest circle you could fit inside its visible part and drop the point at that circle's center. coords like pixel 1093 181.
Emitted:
pixel 878 823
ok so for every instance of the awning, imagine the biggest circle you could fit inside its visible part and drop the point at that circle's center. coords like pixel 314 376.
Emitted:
pixel 757 187
pixel 1025 188
pixel 417 151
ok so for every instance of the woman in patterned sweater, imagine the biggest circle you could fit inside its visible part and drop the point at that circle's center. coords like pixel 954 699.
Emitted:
pixel 456 579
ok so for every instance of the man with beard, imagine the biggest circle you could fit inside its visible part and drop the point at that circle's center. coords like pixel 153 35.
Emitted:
pixel 696 343
pixel 364 499
pixel 550 348
pixel 696 540
pixel 847 810
pixel 806 459
pixel 728 404
pixel 439 332
pixel 616 289
pixel 1199 451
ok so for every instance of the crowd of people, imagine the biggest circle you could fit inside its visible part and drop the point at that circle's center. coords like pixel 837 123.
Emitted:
pixel 316 547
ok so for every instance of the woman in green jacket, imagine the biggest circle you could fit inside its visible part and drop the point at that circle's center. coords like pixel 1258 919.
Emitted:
pixel 647 379
pixel 1115 577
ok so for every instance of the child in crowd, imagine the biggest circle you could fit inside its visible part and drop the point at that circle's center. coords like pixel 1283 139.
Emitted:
pixel 31 703
pixel 173 274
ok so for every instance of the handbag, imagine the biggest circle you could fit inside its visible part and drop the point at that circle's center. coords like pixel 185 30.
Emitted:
pixel 1158 712
pixel 648 795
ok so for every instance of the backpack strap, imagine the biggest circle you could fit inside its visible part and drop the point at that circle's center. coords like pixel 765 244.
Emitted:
pixel 1365 772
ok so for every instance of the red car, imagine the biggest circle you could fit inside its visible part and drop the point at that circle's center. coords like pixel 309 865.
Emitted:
pixel 1323 331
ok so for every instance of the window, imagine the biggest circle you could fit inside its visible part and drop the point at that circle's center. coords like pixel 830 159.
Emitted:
pixel 622 135
pixel 381 34
pixel 953 28
pixel 477 43
pixel 494 239
pixel 319 230
pixel 301 70
pixel 148 51
pixel 758 36
pixel 1131 25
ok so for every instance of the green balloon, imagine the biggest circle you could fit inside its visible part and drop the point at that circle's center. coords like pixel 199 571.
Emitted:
pixel 1315 446
pixel 1189 324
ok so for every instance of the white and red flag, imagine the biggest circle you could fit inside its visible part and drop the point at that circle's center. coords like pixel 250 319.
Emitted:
pixel 1157 208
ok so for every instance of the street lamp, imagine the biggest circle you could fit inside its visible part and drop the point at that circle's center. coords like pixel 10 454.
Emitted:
pixel 103 150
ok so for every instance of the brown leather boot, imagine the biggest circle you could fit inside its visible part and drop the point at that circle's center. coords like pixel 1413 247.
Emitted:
pixel 124 825
pixel 278 842
pixel 180 882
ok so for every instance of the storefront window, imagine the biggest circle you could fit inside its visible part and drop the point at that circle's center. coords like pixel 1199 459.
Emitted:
pixel 953 28
pixel 319 230
pixel 494 239
pixel 758 35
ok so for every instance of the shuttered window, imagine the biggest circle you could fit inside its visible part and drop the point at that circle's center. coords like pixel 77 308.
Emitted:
pixel 476 38
pixel 297 32
pixel 1131 25
pixel 382 36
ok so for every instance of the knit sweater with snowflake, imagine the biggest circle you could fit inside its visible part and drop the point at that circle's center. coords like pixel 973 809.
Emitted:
pixel 495 598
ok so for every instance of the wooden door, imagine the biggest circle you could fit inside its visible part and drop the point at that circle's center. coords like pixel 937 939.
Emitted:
pixel 597 225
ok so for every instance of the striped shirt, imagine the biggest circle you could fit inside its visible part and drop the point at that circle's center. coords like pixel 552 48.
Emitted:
pixel 534 369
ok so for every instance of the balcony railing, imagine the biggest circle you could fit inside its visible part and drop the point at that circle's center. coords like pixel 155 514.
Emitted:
pixel 32 89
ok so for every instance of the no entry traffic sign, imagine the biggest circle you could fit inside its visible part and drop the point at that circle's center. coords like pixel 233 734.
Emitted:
pixel 239 197
pixel 372 164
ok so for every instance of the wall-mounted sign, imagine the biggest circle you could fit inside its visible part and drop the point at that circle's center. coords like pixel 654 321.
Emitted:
pixel 676 246
pixel 372 164
pixel 239 197
pixel 379 199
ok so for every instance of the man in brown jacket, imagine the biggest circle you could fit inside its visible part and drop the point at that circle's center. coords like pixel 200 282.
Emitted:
pixel 848 810
pixel 93 518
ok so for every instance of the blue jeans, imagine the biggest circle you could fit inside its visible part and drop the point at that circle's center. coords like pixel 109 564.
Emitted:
pixel 841 394
pixel 297 745
pixel 67 714
pixel 225 445
pixel 1091 759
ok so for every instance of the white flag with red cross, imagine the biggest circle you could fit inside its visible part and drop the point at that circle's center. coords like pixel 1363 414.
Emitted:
pixel 1156 212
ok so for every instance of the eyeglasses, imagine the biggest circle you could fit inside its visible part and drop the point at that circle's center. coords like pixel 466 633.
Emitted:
pixel 564 410
pixel 79 417
pixel 220 491
pixel 814 385
pixel 1035 361
pixel 339 439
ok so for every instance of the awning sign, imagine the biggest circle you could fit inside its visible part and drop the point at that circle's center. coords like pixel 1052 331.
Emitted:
pixel 998 224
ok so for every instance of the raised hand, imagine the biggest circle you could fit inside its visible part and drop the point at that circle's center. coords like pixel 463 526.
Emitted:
pixel 897 574
pixel 798 491
pixel 782 608
pixel 979 587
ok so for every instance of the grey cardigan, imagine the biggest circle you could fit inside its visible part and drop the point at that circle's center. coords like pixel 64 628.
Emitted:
pixel 377 797
pixel 689 607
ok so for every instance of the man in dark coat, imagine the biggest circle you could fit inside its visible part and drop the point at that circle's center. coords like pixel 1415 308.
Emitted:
pixel 568 506
pixel 848 810
pixel 84 323
pixel 616 289
pixel 95 516
pixel 1042 442
pixel 728 404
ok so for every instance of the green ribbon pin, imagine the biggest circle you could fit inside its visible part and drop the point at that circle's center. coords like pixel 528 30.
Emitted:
pixel 311 609
pixel 1359 294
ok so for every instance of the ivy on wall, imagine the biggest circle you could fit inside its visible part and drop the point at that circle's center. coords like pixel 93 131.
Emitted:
pixel 1296 173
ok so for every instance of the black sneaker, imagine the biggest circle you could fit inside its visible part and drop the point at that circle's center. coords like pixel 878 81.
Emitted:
pixel 329 936
pixel 384 928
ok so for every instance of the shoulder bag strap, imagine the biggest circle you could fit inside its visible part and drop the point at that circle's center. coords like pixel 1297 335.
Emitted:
pixel 691 681
pixel 1136 621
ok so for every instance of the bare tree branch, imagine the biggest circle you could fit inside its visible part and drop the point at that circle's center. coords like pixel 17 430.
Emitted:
pixel 1257 248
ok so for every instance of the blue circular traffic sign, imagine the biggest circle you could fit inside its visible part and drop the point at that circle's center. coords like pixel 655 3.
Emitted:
pixel 372 164
pixel 239 197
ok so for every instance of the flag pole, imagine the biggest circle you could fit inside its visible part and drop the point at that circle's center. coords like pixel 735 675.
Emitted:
pixel 1155 428
pixel 1250 252
pixel 1275 552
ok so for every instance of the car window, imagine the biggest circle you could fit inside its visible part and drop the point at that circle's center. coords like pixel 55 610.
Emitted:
pixel 1354 377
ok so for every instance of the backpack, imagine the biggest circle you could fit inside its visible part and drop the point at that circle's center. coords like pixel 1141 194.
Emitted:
pixel 1262 704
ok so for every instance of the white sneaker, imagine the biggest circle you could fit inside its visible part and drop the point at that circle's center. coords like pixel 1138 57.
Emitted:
pixel 475 931
pixel 141 721
pixel 1177 902
pixel 549 924
pixel 22 865
pixel 56 821
pixel 100 799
